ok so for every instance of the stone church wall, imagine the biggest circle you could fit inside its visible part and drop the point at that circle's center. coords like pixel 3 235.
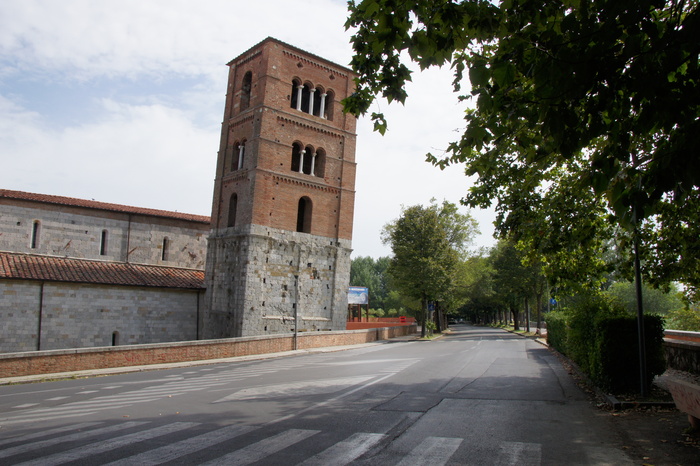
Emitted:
pixel 76 232
pixel 84 315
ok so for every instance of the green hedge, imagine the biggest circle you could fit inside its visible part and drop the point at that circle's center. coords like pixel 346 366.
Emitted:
pixel 615 356
pixel 556 330
pixel 602 340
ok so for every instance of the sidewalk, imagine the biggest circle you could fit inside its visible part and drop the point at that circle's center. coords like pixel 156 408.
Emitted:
pixel 203 362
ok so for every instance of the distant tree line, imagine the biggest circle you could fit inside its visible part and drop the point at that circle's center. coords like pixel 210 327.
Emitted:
pixel 434 276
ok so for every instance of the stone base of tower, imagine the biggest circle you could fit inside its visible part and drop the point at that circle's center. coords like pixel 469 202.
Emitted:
pixel 263 280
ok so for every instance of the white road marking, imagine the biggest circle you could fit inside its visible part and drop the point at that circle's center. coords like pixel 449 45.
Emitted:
pixel 109 444
pixel 184 447
pixel 309 387
pixel 519 453
pixel 67 438
pixel 48 432
pixel 346 451
pixel 263 448
pixel 434 451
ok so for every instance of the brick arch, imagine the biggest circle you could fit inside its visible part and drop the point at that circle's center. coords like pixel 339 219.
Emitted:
pixel 246 87
pixel 328 111
pixel 297 147
pixel 320 165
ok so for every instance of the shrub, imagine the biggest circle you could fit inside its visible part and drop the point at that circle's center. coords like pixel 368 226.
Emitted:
pixel 557 330
pixel 684 319
pixel 615 356
pixel 581 336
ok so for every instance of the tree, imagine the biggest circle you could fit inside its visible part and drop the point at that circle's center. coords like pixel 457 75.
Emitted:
pixel 427 243
pixel 371 273
pixel 511 277
pixel 655 301
pixel 602 98
pixel 481 304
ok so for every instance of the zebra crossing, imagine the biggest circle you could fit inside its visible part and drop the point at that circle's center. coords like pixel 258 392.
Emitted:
pixel 96 443
pixel 168 386
pixel 199 380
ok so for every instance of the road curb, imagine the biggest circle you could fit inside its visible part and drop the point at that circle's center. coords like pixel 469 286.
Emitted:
pixel 200 362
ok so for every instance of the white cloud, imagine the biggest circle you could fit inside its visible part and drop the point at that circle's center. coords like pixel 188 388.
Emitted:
pixel 121 101
pixel 149 156
pixel 129 38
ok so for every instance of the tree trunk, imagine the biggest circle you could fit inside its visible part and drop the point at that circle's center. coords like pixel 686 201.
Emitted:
pixel 539 312
pixel 514 311
pixel 527 314
pixel 424 303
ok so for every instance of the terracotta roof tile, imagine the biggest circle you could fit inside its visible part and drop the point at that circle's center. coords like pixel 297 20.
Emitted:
pixel 69 201
pixel 32 267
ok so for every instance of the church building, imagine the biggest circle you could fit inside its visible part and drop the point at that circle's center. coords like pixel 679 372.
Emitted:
pixel 273 258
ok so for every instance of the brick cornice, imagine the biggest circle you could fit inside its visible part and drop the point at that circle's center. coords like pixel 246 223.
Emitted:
pixel 306 184
pixel 307 61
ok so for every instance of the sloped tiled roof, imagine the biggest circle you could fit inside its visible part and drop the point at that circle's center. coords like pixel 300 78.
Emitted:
pixel 59 269
pixel 73 202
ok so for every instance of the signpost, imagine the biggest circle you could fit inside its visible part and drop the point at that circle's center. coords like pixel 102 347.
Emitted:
pixel 358 296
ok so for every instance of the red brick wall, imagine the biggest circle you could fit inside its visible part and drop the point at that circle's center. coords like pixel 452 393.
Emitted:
pixel 48 362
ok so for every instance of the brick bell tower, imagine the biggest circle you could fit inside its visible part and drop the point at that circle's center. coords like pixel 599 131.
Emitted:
pixel 284 194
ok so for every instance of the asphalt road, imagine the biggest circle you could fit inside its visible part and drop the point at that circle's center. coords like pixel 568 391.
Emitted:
pixel 478 396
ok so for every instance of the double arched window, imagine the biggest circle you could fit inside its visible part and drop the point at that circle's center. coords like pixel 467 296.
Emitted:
pixel 313 100
pixel 238 155
pixel 307 160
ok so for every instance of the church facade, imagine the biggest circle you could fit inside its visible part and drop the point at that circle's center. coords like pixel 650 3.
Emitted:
pixel 273 258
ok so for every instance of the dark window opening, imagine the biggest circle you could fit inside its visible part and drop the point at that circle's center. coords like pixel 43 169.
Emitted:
pixel 35 234
pixel 238 156
pixel 320 163
pixel 164 253
pixel 295 94
pixel 103 243
pixel 245 90
pixel 319 96
pixel 309 156
pixel 304 215
pixel 115 338
pixel 328 111
pixel 296 156
pixel 305 98
pixel 232 210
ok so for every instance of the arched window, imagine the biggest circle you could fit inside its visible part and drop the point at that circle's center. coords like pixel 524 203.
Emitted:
pixel 309 158
pixel 304 215
pixel 319 101
pixel 115 338
pixel 245 90
pixel 36 229
pixel 319 163
pixel 103 243
pixel 238 156
pixel 328 110
pixel 296 157
pixel 232 210
pixel 305 98
pixel 313 100
pixel 296 94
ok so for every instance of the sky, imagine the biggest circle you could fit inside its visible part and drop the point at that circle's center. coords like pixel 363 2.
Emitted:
pixel 121 101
